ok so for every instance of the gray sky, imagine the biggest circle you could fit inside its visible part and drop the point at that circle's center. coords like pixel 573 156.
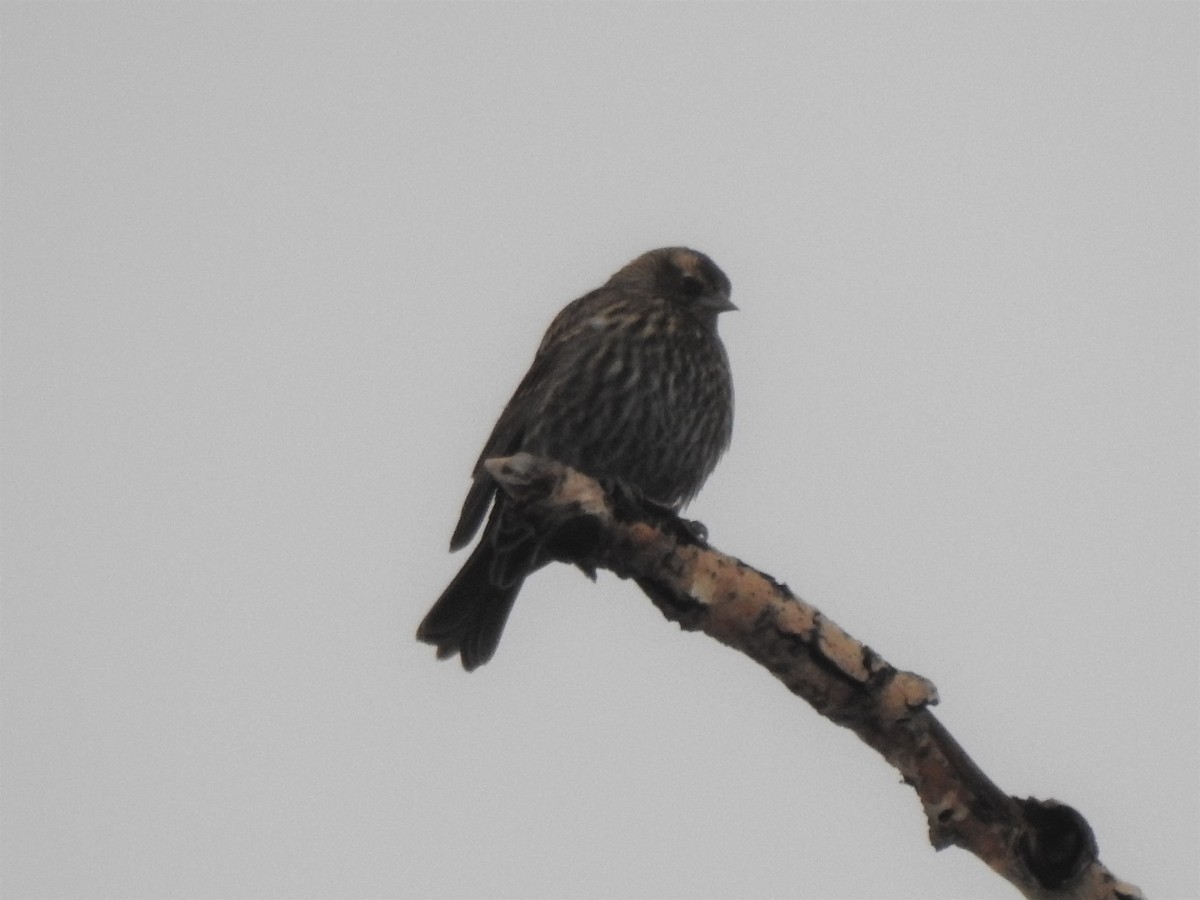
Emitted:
pixel 271 271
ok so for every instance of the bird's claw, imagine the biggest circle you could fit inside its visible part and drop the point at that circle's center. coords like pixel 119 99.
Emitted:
pixel 697 529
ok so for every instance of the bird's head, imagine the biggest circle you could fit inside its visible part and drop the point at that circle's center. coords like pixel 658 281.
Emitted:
pixel 682 276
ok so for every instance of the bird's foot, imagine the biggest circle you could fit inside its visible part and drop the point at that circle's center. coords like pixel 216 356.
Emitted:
pixel 697 530
pixel 629 502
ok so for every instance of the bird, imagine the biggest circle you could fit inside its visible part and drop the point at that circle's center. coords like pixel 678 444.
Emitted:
pixel 630 382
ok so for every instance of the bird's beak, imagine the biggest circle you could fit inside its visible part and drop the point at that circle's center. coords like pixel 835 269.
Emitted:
pixel 717 303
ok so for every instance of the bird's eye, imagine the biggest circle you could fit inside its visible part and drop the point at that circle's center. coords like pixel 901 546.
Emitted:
pixel 691 286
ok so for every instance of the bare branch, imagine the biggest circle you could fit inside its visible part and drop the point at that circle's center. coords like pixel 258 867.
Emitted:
pixel 1044 848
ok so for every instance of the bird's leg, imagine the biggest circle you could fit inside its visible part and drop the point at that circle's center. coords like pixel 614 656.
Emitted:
pixel 627 500
pixel 630 501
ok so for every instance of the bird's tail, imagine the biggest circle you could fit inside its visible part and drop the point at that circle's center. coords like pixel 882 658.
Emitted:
pixel 469 616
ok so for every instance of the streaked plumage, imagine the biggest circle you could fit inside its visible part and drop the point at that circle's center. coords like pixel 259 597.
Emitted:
pixel 630 381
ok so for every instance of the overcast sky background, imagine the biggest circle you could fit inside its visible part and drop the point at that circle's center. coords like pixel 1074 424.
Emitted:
pixel 271 271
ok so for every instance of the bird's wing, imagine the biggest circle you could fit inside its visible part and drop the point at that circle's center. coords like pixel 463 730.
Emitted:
pixel 509 432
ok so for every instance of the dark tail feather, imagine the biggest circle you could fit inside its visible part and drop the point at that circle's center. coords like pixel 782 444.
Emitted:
pixel 469 616
pixel 476 504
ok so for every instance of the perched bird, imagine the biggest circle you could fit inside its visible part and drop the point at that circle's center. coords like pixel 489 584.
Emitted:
pixel 630 382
